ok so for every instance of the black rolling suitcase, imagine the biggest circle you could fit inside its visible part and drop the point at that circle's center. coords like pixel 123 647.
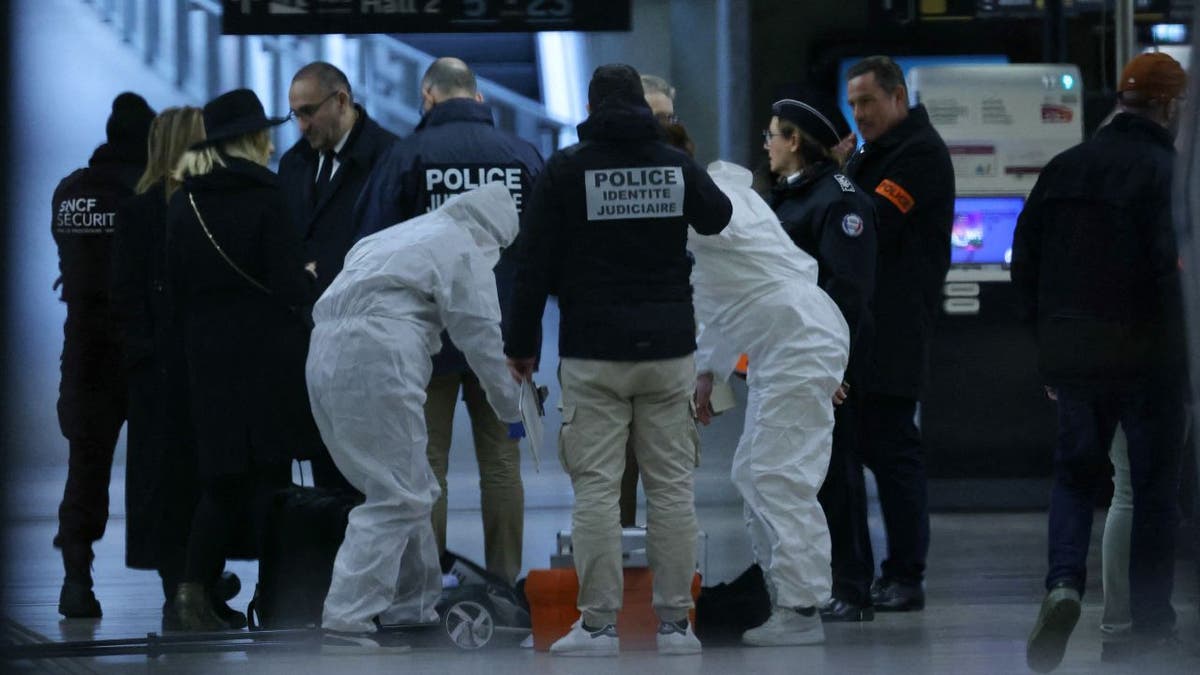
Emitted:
pixel 301 533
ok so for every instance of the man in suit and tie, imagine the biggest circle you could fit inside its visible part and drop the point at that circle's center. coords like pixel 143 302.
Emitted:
pixel 322 176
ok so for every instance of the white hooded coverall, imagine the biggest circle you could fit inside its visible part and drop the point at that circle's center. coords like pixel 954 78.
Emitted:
pixel 756 292
pixel 369 362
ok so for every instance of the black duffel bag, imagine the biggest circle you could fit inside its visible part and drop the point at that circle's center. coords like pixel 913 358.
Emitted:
pixel 302 530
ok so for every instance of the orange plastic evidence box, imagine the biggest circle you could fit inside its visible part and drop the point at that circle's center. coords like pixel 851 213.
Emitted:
pixel 552 595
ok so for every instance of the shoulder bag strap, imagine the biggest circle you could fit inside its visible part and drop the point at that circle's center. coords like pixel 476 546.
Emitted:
pixel 253 282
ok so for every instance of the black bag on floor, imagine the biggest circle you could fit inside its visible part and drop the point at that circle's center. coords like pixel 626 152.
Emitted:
pixel 301 533
pixel 725 611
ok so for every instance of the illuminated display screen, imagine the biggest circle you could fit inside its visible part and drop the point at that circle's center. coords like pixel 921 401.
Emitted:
pixel 982 232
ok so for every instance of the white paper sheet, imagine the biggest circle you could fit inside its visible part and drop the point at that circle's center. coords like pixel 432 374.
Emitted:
pixel 531 416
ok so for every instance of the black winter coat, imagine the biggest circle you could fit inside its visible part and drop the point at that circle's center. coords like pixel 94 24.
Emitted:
pixel 1096 264
pixel 909 175
pixel 606 231
pixel 455 148
pixel 327 224
pixel 161 487
pixel 246 348
pixel 831 219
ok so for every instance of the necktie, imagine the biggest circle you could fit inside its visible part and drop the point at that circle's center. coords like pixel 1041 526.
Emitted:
pixel 323 175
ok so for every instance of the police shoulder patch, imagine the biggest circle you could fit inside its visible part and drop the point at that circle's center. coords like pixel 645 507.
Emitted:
pixel 844 182
pixel 852 224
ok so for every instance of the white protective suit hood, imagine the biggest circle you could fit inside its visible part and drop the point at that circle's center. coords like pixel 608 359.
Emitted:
pixel 485 213
pixel 387 261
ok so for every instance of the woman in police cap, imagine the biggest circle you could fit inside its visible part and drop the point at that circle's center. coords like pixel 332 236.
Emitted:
pixel 833 220
pixel 237 272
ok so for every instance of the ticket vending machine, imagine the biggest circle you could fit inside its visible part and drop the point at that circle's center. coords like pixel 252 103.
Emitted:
pixel 988 428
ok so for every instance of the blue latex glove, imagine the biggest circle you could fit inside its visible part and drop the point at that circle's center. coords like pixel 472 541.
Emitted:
pixel 516 430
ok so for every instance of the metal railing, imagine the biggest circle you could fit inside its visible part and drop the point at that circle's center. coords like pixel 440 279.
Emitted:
pixel 181 40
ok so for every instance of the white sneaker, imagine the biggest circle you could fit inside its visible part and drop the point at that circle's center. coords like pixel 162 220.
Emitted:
pixel 370 644
pixel 675 640
pixel 583 642
pixel 787 626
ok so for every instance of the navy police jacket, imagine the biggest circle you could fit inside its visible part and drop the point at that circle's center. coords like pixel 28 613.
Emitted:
pixel 455 148
pixel 606 231
pixel 1096 264
pixel 908 173
pixel 831 219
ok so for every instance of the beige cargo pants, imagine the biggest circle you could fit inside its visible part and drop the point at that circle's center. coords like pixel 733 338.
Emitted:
pixel 606 403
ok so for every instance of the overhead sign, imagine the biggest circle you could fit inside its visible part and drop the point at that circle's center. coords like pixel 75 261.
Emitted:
pixel 313 17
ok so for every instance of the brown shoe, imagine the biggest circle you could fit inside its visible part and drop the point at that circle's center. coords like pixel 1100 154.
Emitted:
pixel 195 610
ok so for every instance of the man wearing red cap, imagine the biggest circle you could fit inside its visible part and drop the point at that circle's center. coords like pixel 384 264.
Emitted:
pixel 1095 262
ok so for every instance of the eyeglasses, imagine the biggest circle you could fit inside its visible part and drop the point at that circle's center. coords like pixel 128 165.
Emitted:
pixel 768 135
pixel 666 119
pixel 305 112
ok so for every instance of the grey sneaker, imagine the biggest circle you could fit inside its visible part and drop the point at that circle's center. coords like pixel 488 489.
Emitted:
pixel 677 638
pixel 582 641
pixel 368 644
pixel 1057 618
pixel 787 626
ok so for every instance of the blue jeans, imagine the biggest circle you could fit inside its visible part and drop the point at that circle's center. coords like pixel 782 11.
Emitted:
pixel 1154 419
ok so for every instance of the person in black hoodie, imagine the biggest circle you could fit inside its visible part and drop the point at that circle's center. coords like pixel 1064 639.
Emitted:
pixel 240 289
pixel 92 396
pixel 833 220
pixel 905 167
pixel 606 231
pixel 1096 264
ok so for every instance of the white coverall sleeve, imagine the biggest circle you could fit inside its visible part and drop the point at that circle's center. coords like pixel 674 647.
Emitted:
pixel 470 310
pixel 708 346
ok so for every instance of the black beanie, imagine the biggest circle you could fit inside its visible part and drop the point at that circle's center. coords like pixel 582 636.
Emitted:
pixel 616 84
pixel 129 123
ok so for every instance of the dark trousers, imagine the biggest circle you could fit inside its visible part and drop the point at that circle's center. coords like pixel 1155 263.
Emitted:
pixel 843 496
pixel 890 445
pixel 1154 420
pixel 228 504
pixel 91 410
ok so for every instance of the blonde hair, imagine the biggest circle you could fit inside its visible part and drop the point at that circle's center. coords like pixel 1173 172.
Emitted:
pixel 171 133
pixel 254 146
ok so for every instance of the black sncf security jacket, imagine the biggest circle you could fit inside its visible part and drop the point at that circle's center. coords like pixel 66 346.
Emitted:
pixel 831 219
pixel 606 231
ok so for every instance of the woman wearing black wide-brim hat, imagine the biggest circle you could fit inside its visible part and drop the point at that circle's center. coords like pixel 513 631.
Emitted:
pixel 239 280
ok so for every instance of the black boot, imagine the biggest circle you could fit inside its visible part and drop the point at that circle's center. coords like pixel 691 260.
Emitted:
pixel 890 595
pixel 227 586
pixel 838 610
pixel 224 589
pixel 76 600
